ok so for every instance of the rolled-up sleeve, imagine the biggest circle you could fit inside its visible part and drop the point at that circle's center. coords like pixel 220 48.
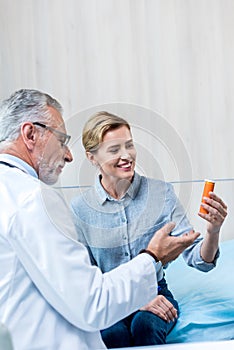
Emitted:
pixel 192 255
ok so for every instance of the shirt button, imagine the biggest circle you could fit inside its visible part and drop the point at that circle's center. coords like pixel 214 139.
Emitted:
pixel 126 254
pixel 124 237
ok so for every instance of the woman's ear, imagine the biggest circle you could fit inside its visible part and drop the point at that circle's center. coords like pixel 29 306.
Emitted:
pixel 28 134
pixel 91 158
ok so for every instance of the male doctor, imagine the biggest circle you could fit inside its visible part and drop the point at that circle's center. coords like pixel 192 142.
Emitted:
pixel 51 297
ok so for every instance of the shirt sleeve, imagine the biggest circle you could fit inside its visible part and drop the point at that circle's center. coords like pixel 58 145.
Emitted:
pixel 42 235
pixel 79 229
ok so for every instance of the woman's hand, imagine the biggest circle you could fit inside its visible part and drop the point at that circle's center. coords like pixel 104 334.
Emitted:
pixel 161 307
pixel 217 211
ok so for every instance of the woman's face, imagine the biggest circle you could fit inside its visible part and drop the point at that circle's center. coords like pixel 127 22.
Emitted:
pixel 116 155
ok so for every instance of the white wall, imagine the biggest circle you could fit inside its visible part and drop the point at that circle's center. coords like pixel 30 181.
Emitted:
pixel 166 65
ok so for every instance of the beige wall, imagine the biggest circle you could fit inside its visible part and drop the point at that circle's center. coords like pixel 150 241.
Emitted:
pixel 166 65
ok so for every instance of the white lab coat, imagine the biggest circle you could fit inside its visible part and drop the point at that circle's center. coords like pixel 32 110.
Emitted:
pixel 51 297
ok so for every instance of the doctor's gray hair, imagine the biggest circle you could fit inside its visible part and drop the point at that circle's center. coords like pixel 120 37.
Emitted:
pixel 22 106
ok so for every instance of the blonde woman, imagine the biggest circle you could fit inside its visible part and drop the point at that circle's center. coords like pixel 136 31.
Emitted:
pixel 118 216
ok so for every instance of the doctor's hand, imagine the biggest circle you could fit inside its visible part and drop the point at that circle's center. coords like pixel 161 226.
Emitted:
pixel 161 307
pixel 168 248
pixel 216 212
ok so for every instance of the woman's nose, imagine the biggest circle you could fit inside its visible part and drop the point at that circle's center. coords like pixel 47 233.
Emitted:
pixel 125 156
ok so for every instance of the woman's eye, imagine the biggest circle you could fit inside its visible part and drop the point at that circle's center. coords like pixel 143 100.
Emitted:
pixel 114 150
pixel 129 145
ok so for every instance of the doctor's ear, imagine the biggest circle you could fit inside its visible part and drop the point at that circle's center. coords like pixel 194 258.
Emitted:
pixel 28 134
pixel 91 158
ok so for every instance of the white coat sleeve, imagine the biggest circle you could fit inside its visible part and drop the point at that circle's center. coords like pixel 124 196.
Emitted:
pixel 41 235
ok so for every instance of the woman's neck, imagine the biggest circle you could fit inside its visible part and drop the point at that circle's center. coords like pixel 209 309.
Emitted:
pixel 116 188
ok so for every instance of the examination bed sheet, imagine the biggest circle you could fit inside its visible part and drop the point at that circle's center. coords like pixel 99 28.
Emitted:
pixel 206 299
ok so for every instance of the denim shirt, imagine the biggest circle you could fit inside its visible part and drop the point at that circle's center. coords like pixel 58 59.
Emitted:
pixel 114 231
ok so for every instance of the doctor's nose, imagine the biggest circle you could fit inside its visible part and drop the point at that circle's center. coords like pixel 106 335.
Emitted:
pixel 68 155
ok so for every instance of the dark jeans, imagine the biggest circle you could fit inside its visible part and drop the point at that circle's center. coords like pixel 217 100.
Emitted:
pixel 141 327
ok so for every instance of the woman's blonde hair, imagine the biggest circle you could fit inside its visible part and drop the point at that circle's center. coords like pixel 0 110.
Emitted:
pixel 97 126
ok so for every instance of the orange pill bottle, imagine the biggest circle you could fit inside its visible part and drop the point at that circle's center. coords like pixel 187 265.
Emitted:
pixel 208 187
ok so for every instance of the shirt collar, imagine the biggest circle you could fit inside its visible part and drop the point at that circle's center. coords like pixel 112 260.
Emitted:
pixel 103 196
pixel 18 163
